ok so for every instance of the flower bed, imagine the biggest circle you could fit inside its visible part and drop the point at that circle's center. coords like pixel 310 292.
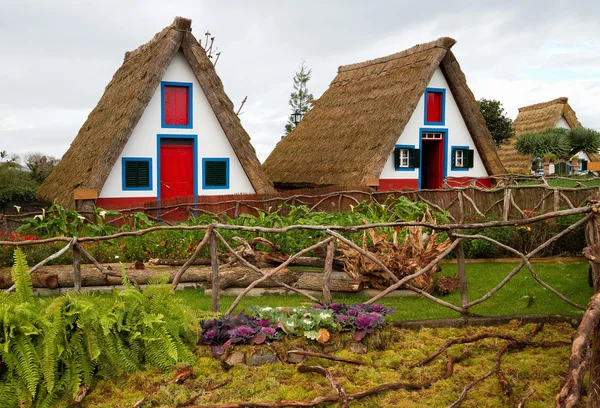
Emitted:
pixel 261 324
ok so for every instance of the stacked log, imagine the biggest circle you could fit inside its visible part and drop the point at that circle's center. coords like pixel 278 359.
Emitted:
pixel 53 277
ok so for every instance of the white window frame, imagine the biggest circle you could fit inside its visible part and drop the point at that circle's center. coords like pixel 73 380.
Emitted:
pixel 433 135
pixel 404 158
pixel 459 158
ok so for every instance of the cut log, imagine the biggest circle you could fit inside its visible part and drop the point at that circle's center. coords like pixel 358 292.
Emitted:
pixel 241 277
pixel 62 276
pixel 314 281
pixel 262 262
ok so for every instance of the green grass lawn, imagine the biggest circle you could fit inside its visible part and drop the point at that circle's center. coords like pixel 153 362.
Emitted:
pixel 587 181
pixel 568 278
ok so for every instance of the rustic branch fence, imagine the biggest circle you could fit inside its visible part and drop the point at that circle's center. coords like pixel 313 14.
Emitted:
pixel 510 199
pixel 333 234
pixel 586 347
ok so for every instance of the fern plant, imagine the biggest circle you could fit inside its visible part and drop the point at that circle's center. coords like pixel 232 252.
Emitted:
pixel 48 350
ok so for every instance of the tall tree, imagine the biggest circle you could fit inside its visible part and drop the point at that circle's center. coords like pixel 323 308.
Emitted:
pixel 498 123
pixel 299 98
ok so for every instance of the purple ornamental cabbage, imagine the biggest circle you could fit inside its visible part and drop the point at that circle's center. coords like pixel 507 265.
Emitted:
pixel 241 334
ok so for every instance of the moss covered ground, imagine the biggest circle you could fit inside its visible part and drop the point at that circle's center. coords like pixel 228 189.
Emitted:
pixel 390 353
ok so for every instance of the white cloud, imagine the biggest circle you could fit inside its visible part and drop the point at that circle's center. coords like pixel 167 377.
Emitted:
pixel 58 56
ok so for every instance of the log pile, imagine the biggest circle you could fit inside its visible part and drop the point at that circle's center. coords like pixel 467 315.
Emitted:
pixel 416 251
pixel 61 276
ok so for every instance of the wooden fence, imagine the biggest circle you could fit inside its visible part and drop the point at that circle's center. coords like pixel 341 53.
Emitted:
pixel 510 199
pixel 457 231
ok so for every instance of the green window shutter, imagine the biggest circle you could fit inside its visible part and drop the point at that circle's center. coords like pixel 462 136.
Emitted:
pixel 137 174
pixel 469 158
pixel 414 158
pixel 215 174
pixel 453 157
pixel 397 157
pixel 584 164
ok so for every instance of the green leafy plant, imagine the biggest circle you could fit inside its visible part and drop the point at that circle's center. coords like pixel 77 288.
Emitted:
pixel 496 119
pixel 563 143
pixel 49 350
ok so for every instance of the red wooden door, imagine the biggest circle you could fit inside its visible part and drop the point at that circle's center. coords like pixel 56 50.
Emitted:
pixel 176 171
pixel 432 163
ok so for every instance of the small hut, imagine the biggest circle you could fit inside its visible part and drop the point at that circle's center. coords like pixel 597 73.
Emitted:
pixel 533 119
pixel 407 120
pixel 163 128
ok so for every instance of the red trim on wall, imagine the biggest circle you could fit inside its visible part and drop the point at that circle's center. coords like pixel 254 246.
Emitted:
pixel 123 202
pixel 398 184
pixel 465 181
pixel 413 184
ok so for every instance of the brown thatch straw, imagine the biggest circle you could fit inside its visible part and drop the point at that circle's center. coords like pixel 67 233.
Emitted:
pixel 103 136
pixel 353 127
pixel 534 119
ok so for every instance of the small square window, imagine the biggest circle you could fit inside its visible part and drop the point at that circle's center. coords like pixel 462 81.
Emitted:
pixel 137 173
pixel 403 158
pixel 459 156
pixel 215 173
pixel 462 158
pixel 406 157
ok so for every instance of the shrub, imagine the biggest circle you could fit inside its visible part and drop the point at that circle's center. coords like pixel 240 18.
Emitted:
pixel 479 248
pixel 574 242
pixel 19 194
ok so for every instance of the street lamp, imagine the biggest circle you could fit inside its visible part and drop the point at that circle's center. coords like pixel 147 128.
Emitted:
pixel 296 117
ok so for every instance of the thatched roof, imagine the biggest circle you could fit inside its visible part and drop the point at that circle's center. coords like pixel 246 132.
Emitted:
pixel 107 129
pixel 353 127
pixel 534 119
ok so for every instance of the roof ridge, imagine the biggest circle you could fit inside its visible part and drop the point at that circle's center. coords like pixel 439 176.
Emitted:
pixel 558 101
pixel 181 24
pixel 442 42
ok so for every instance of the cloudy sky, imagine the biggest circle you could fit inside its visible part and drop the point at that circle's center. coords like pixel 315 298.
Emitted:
pixel 57 55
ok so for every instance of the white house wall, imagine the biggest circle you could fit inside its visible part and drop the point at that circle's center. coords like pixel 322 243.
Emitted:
pixel 458 135
pixel 212 142
pixel 562 123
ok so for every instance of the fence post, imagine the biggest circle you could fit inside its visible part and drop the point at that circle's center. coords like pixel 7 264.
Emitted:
pixel 461 208
pixel 462 275
pixel 327 272
pixel 214 263
pixel 76 268
pixel 506 205
pixel 592 237
pixel 556 199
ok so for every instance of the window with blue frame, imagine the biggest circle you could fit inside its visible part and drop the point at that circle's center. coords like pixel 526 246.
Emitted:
pixel 406 158
pixel 176 105
pixel 215 173
pixel 137 173
pixel 435 106
pixel 462 158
